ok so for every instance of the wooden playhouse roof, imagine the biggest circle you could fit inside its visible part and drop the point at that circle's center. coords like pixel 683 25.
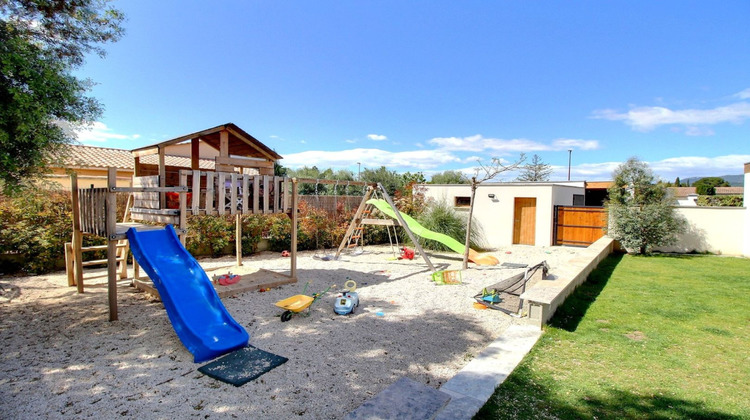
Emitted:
pixel 240 143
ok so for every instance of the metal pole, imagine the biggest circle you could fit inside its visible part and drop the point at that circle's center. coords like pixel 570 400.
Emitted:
pixel 359 178
pixel 570 152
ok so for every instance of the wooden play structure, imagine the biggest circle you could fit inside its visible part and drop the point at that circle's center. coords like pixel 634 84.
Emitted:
pixel 243 182
pixel 355 232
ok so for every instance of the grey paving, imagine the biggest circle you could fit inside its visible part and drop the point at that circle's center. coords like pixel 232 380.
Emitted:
pixel 404 399
pixel 471 387
pixel 464 394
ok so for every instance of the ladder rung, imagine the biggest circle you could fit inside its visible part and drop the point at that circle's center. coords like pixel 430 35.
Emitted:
pixel 352 246
pixel 360 228
pixel 97 262
pixel 356 236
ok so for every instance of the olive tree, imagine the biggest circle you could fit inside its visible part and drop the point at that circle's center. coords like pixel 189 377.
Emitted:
pixel 641 212
pixel 41 43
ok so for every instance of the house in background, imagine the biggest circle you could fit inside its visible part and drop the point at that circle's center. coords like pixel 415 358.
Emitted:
pixel 688 197
pixel 512 212
pixel 90 163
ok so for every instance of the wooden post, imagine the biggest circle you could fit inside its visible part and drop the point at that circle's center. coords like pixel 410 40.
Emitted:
pixel 183 206
pixel 195 153
pixel 112 243
pixel 162 177
pixel 69 263
pixel 238 238
pixel 77 236
pixel 295 217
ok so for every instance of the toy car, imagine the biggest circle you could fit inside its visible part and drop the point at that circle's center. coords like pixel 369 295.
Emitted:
pixel 346 302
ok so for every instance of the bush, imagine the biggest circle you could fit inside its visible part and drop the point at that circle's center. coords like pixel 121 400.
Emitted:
pixel 720 200
pixel 209 234
pixel 34 227
pixel 253 228
pixel 440 217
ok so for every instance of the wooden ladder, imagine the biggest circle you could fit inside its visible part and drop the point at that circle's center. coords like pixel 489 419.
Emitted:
pixel 355 232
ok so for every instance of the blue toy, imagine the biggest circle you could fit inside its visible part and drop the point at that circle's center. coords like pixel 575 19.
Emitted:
pixel 346 301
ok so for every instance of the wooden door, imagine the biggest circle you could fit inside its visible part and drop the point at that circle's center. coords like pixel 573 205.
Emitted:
pixel 524 221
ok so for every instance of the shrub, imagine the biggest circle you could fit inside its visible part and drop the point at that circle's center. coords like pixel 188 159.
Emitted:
pixel 34 227
pixel 209 234
pixel 720 200
pixel 253 228
pixel 440 217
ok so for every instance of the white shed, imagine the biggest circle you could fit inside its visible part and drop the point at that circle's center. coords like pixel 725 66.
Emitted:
pixel 512 212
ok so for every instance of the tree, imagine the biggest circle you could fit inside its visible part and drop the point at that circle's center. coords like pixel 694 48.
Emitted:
pixel 481 174
pixel 640 210
pixel 390 180
pixel 677 182
pixel 449 177
pixel 41 43
pixel 707 186
pixel 535 171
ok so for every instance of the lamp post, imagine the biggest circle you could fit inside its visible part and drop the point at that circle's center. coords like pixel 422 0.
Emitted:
pixel 570 152
pixel 359 178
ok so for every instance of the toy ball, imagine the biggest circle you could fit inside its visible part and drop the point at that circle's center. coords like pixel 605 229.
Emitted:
pixel 284 253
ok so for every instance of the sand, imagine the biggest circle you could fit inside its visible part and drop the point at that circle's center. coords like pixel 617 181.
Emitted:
pixel 62 358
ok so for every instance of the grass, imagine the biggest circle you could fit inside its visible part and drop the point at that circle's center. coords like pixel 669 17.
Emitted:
pixel 660 337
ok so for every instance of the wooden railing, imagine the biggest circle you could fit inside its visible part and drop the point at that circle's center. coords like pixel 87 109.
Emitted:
pixel 218 193
pixel 93 210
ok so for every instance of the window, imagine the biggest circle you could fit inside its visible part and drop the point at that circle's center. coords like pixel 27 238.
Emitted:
pixel 578 200
pixel 462 202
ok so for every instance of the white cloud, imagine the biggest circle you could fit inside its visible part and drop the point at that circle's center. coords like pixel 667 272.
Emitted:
pixel 666 169
pixel 98 132
pixel 351 141
pixel 575 144
pixel 377 137
pixel 372 158
pixel 699 131
pixel 647 118
pixel 478 143
pixel 745 94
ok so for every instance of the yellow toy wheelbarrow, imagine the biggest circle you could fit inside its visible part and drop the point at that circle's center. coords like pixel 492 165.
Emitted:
pixel 298 303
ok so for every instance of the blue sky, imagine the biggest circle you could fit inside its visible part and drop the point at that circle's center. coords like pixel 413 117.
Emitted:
pixel 435 85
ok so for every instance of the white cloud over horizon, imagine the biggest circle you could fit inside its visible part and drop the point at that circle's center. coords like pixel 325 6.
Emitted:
pixel 478 143
pixel 745 94
pixel 371 158
pixel 377 137
pixel 647 118
pixel 98 132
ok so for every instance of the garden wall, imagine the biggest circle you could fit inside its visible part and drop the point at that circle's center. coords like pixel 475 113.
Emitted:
pixel 718 230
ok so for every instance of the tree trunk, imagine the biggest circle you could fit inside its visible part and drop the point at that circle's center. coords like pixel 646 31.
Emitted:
pixel 468 223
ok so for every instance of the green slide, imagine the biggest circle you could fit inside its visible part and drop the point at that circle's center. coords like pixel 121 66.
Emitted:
pixel 420 230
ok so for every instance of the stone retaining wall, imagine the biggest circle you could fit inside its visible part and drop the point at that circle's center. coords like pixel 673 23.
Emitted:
pixel 546 295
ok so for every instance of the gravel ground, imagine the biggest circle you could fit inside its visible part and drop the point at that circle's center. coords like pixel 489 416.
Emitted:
pixel 61 358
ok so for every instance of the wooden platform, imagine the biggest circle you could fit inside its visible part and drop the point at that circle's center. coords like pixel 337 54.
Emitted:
pixel 249 282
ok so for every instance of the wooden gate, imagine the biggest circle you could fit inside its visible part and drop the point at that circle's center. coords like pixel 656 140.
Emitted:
pixel 524 221
pixel 579 226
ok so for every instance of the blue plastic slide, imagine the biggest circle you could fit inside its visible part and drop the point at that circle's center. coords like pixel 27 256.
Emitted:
pixel 197 314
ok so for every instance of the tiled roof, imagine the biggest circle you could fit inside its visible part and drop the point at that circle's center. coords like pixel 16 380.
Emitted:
pixel 682 191
pixel 730 190
pixel 598 185
pixel 82 156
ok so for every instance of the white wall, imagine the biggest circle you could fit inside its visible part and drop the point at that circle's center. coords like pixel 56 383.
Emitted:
pixel 495 215
pixel 746 203
pixel 713 229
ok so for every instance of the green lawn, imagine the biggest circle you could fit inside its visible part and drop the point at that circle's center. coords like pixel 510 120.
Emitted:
pixel 661 337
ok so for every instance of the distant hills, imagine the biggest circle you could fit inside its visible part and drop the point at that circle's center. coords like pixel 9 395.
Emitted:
pixel 733 180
